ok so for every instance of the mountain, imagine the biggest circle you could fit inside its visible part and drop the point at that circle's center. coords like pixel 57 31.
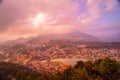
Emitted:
pixel 20 40
pixel 113 38
pixel 74 36
pixel 79 36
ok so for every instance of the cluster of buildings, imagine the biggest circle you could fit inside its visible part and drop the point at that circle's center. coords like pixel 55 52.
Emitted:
pixel 40 56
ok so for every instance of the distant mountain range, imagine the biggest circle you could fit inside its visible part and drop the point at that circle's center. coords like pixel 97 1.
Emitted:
pixel 67 36
pixel 74 36
pixel 113 38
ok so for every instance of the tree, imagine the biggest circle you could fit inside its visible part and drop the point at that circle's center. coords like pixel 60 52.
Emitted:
pixel 109 69
pixel 108 65
pixel 80 64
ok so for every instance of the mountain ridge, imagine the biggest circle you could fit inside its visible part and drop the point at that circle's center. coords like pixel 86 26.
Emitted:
pixel 73 36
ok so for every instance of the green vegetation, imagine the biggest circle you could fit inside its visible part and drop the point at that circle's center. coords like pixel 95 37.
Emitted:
pixel 101 69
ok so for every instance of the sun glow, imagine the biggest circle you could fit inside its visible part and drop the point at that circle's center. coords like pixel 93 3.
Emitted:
pixel 38 19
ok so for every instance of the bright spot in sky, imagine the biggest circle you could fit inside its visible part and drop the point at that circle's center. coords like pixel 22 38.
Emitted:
pixel 38 19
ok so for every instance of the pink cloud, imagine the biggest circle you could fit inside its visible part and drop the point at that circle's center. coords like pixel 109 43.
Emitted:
pixel 97 8
pixel 61 15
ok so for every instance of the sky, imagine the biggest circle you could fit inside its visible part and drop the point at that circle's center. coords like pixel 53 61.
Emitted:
pixel 26 18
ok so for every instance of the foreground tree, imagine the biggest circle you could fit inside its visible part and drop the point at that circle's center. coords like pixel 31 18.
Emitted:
pixel 101 69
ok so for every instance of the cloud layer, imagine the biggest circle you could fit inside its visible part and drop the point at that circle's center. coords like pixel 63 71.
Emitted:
pixel 16 16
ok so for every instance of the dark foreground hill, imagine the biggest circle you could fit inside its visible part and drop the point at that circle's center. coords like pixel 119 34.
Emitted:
pixel 102 69
pixel 11 71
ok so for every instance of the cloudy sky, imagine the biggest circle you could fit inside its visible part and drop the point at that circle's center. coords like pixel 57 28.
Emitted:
pixel 25 18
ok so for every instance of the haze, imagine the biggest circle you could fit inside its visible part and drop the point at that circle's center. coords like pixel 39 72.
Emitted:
pixel 26 18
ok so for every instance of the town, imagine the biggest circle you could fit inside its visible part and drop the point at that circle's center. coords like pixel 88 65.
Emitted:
pixel 40 55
